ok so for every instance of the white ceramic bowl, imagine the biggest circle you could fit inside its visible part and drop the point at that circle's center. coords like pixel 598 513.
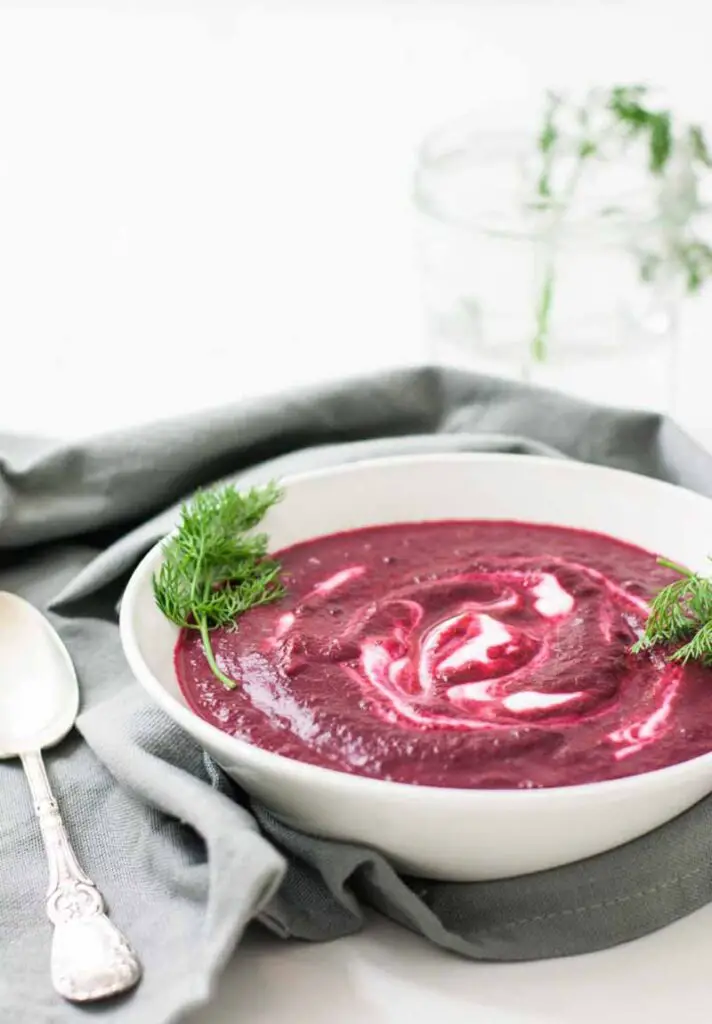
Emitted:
pixel 457 834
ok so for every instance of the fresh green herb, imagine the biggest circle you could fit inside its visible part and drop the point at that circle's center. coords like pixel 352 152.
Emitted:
pixel 635 120
pixel 695 258
pixel 698 145
pixel 546 297
pixel 214 568
pixel 602 129
pixel 681 614
pixel 547 142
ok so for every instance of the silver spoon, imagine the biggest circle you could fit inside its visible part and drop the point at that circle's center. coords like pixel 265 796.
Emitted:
pixel 39 700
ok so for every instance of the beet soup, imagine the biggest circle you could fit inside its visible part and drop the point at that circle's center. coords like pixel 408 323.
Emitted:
pixel 469 654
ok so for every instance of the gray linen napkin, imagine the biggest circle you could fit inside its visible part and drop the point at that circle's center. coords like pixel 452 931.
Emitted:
pixel 183 860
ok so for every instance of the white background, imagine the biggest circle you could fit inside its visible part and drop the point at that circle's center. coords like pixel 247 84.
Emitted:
pixel 199 201
pixel 203 201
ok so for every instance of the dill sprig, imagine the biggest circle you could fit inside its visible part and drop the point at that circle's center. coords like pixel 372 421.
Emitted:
pixel 608 126
pixel 214 568
pixel 681 614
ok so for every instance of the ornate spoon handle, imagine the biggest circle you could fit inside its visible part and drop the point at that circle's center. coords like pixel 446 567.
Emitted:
pixel 91 959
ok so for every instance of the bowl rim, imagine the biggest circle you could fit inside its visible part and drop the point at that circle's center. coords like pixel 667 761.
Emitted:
pixel 246 752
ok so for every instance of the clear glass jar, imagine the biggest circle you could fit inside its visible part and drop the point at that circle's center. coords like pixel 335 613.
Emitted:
pixel 529 291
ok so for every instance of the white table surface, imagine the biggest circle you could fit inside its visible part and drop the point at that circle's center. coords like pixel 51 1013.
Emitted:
pixel 387 976
pixel 188 182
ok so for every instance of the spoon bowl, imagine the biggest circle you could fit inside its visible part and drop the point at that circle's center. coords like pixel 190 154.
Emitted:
pixel 39 693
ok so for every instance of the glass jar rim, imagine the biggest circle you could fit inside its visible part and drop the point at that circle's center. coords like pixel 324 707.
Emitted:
pixel 457 139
